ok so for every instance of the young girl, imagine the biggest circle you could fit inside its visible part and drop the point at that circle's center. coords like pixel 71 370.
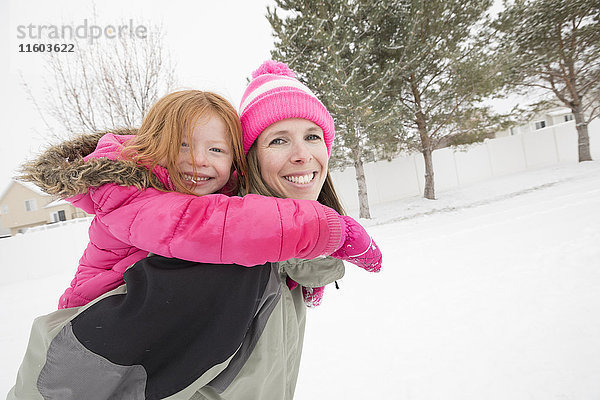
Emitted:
pixel 144 192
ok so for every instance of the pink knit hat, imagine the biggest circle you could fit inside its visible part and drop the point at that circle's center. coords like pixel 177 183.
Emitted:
pixel 275 94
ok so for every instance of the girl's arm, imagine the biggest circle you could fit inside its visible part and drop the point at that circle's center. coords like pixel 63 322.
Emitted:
pixel 248 230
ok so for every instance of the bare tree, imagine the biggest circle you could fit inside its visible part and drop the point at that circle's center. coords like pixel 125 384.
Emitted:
pixel 105 84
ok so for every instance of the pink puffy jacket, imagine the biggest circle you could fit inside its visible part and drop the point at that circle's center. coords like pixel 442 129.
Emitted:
pixel 130 223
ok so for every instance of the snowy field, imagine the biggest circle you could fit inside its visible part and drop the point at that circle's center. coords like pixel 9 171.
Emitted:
pixel 490 292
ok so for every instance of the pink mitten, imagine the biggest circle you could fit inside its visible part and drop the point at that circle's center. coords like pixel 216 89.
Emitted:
pixel 358 247
pixel 312 296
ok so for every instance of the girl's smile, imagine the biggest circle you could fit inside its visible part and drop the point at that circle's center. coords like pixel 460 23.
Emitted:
pixel 205 160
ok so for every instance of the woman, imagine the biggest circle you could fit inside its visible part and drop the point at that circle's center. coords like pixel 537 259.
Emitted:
pixel 149 338
pixel 287 138
pixel 288 134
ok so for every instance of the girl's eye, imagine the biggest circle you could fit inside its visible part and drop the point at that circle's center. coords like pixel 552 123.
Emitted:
pixel 184 144
pixel 277 141
pixel 216 150
pixel 313 137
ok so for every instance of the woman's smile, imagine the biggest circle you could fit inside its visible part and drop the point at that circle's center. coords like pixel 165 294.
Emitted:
pixel 302 179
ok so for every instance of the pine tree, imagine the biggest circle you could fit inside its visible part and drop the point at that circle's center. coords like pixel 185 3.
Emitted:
pixel 329 44
pixel 395 73
pixel 440 66
pixel 555 45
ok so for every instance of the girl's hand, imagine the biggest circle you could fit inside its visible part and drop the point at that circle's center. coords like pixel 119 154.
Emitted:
pixel 358 247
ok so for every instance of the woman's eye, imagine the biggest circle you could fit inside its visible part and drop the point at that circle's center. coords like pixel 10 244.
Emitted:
pixel 217 150
pixel 184 144
pixel 277 141
pixel 313 137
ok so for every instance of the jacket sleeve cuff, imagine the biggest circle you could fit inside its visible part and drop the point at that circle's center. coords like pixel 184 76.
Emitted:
pixel 335 230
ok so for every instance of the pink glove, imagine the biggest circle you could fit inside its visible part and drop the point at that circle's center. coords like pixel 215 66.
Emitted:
pixel 358 247
pixel 312 296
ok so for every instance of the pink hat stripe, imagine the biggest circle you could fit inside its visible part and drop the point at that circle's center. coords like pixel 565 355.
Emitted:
pixel 271 85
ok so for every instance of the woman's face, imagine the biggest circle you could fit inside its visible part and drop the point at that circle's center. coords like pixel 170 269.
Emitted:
pixel 293 158
pixel 212 159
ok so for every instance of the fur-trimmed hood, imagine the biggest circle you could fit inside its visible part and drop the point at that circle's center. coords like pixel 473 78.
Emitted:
pixel 62 171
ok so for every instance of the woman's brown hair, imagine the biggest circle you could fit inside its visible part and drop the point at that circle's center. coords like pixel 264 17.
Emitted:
pixel 327 196
pixel 171 120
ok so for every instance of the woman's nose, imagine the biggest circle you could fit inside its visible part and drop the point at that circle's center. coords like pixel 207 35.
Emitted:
pixel 301 153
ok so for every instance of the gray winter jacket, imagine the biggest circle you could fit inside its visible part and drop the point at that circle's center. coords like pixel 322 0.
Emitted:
pixel 178 330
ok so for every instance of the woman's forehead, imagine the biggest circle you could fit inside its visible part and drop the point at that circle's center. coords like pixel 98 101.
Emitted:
pixel 292 125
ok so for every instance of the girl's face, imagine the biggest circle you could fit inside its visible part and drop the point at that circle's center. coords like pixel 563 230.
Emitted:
pixel 212 159
pixel 292 157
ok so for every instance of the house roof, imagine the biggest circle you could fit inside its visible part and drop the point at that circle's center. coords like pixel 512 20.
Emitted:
pixel 6 189
pixel 560 111
pixel 58 202
pixel 33 188
pixel 28 185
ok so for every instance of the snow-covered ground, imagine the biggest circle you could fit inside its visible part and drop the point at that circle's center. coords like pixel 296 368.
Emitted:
pixel 490 292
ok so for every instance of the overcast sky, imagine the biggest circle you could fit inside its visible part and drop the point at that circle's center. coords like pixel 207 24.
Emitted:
pixel 214 44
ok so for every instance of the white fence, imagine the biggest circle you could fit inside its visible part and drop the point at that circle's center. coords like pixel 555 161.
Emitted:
pixel 54 225
pixel 453 168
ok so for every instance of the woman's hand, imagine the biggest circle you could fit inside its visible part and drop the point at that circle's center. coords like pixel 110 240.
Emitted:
pixel 358 247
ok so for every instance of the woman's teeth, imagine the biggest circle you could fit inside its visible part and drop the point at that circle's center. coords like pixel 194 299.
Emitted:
pixel 303 179
pixel 195 179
